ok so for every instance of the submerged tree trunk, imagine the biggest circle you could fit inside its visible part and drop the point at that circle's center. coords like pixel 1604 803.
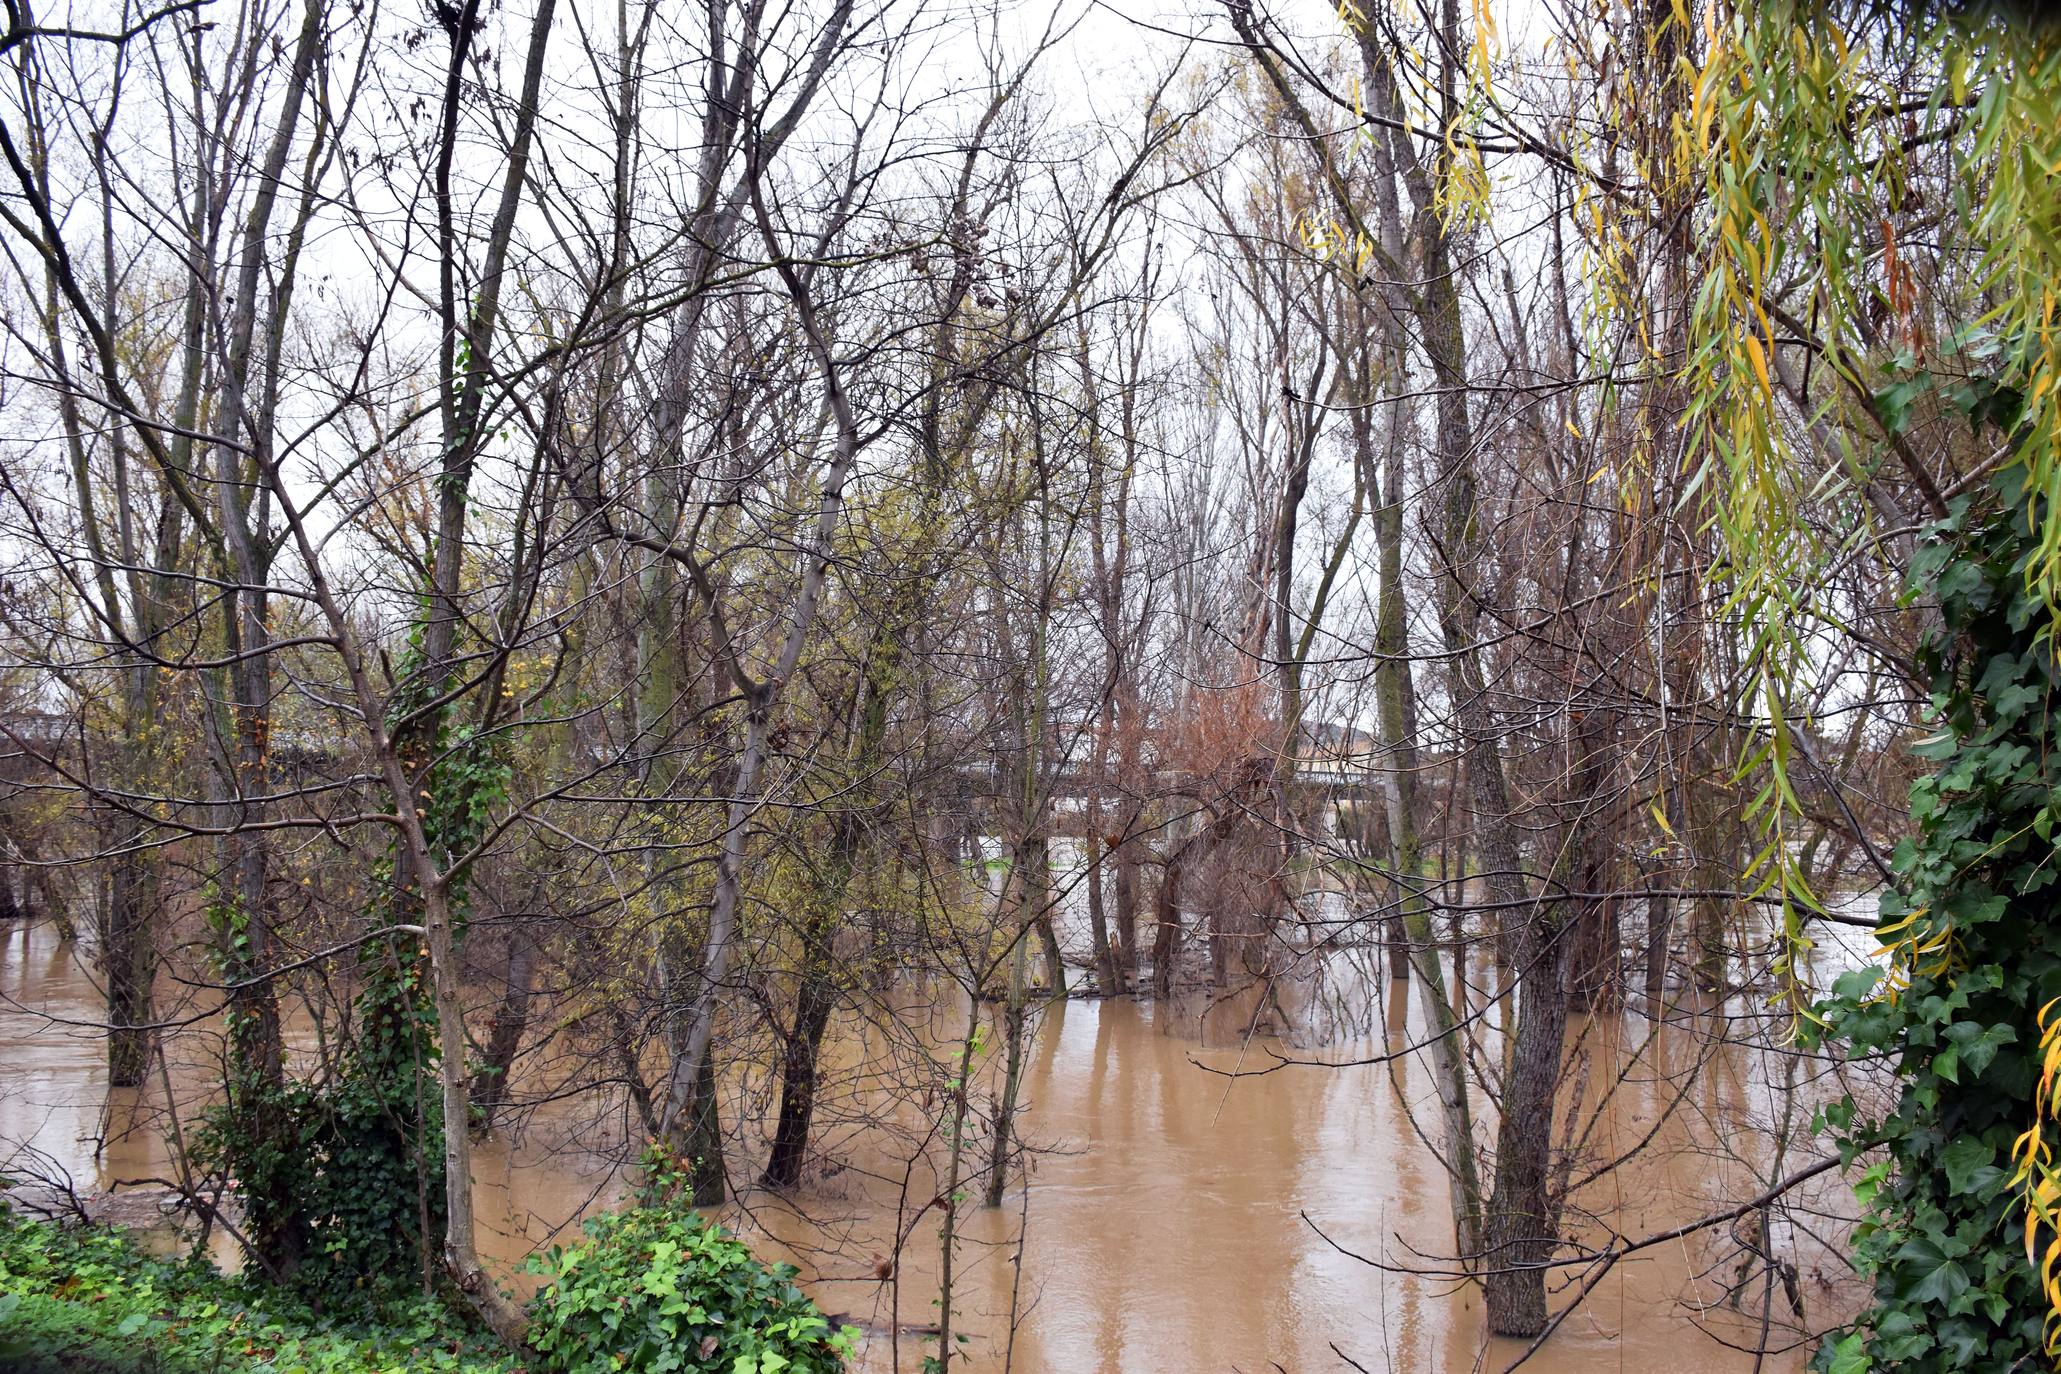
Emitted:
pixel 1098 907
pixel 1521 1221
pixel 1599 953
pixel 504 1034
pixel 1012 1073
pixel 129 959
pixel 815 999
pixel 1127 912
pixel 1659 920
pixel 1055 957
pixel 702 1142
pixel 1166 936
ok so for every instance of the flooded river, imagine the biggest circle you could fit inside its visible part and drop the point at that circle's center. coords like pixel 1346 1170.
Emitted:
pixel 1172 1218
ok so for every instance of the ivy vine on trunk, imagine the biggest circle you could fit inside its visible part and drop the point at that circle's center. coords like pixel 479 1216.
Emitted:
pixel 342 1179
pixel 1973 954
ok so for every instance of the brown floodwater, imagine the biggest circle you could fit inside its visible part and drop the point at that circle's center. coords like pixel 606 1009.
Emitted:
pixel 1171 1218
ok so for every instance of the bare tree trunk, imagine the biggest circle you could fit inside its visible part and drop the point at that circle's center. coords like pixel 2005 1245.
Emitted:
pixel 1127 912
pixel 1097 855
pixel 1055 957
pixel 128 956
pixel 691 1063
pixel 1659 920
pixel 1598 955
pixel 504 1034
pixel 948 1197
pixel 816 997
pixel 1013 1016
pixel 1521 1220
pixel 1166 937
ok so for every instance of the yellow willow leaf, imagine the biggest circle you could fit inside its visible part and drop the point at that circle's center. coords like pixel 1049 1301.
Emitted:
pixel 1703 104
pixel 1760 363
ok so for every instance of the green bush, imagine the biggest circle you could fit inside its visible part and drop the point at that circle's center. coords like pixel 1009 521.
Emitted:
pixel 656 1289
pixel 85 1299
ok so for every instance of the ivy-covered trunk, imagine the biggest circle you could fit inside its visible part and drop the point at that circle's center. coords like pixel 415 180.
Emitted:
pixel 1975 955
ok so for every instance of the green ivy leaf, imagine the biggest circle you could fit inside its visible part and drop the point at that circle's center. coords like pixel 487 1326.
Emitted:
pixel 1978 1044
pixel 1938 1278
pixel 1969 1163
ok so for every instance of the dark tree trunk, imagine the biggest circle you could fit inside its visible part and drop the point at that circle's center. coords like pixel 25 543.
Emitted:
pixel 1397 941
pixel 262 1119
pixel 1055 958
pixel 815 1000
pixel 1659 919
pixel 129 957
pixel 504 1033
pixel 1521 1221
pixel 277 1220
pixel 1013 1017
pixel 1166 937
pixel 1598 954
pixel 1127 909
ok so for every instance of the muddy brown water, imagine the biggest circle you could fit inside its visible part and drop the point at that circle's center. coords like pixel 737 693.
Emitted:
pixel 1171 1218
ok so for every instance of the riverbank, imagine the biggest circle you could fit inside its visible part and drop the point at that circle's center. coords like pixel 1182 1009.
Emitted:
pixel 88 1301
